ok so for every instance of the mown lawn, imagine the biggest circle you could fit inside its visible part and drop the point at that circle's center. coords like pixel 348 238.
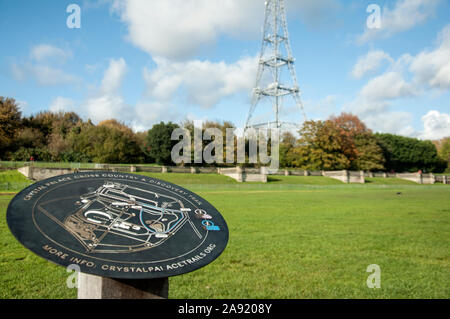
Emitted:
pixel 291 240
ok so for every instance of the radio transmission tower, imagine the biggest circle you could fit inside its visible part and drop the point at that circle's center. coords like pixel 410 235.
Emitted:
pixel 275 57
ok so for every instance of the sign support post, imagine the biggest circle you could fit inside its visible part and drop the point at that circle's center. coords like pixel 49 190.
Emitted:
pixel 96 287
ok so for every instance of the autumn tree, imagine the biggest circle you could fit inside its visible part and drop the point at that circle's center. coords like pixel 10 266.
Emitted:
pixel 103 144
pixel 349 127
pixel 444 150
pixel 320 147
pixel 369 153
pixel 10 122
pixel 57 127
pixel 358 143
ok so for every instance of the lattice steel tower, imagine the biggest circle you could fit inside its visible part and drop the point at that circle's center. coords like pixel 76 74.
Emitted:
pixel 275 56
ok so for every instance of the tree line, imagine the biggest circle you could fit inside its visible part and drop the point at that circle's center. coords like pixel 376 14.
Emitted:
pixel 340 142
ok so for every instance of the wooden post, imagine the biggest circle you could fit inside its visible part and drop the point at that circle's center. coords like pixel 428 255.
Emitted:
pixel 95 287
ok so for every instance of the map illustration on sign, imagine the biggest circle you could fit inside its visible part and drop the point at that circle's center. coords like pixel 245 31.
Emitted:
pixel 118 225
pixel 146 219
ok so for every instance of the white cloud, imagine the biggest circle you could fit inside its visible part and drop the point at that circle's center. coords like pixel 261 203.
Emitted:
pixel 396 122
pixel 373 101
pixel 436 125
pixel 104 107
pixel 148 113
pixel 177 29
pixel 44 75
pixel 106 102
pixel 62 104
pixel 428 69
pixel 24 107
pixel 92 68
pixel 46 52
pixel 405 15
pixel 44 67
pixel 387 86
pixel 113 77
pixel 432 68
pixel 370 62
pixel 203 83
pixel 323 107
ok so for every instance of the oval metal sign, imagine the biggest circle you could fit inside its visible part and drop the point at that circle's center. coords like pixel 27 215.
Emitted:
pixel 118 225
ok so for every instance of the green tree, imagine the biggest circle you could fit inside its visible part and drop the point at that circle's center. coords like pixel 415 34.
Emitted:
pixel 409 154
pixel 369 153
pixel 287 144
pixel 102 144
pixel 320 147
pixel 159 143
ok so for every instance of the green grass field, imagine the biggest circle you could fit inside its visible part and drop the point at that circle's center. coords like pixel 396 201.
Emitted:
pixel 12 181
pixel 294 237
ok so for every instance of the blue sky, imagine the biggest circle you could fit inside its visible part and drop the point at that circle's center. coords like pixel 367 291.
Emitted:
pixel 143 61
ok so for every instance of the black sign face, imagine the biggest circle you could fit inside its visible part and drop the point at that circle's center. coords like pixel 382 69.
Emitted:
pixel 118 225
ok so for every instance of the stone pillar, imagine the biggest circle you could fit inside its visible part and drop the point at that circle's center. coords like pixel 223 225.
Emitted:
pixel 95 287
pixel 26 171
pixel 286 172
pixel 195 171
pixel 133 169
pixel 385 175
pixel 263 170
pixel 444 179
pixel 164 169
pixel 30 172
pixel 432 179
pixel 240 174
pixel 306 173
pixel 361 177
